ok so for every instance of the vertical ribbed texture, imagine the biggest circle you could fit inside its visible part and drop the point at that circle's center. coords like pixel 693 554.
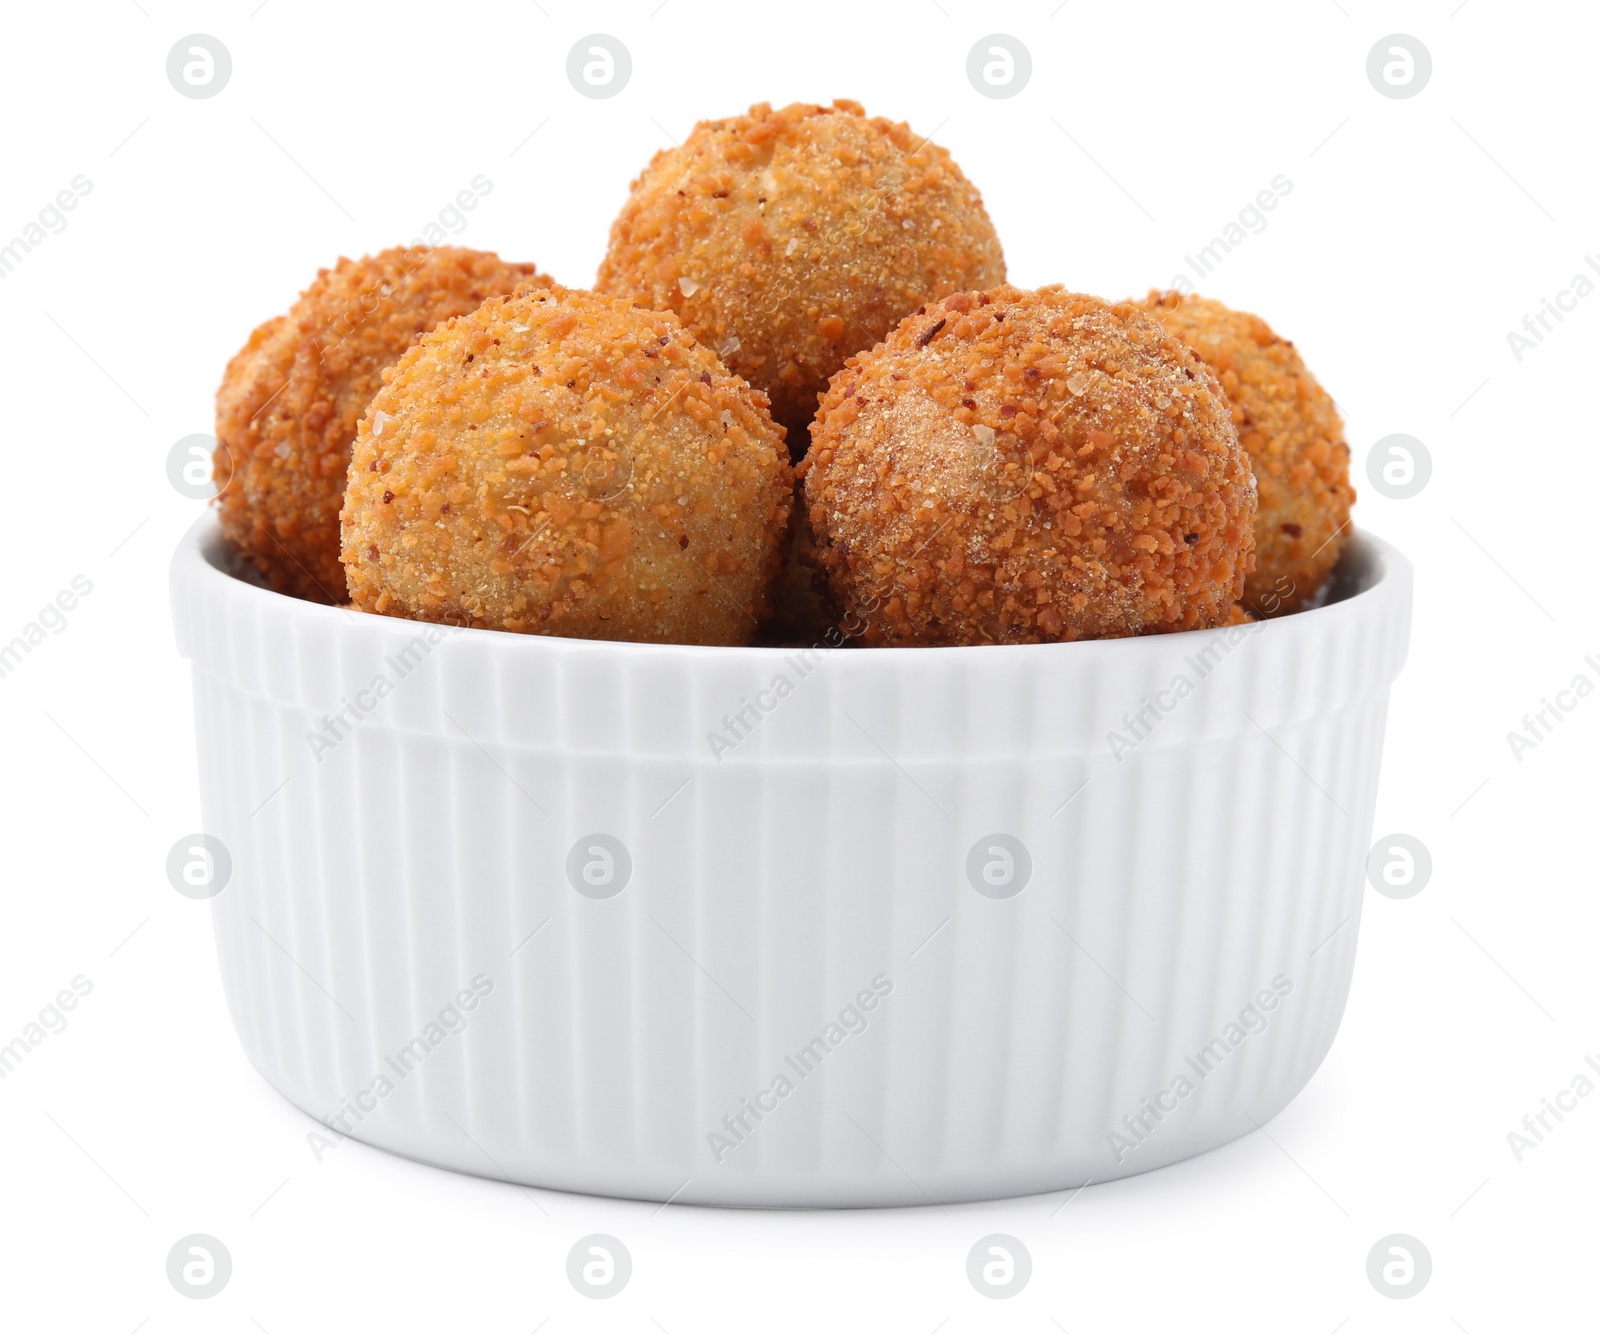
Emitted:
pixel 1027 1044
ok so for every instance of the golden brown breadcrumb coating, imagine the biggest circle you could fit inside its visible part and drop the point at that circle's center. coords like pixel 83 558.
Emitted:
pixel 567 464
pixel 787 240
pixel 290 399
pixel 1292 432
pixel 1017 467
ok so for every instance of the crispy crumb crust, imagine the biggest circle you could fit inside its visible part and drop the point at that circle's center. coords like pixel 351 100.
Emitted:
pixel 290 399
pixel 1018 467
pixel 787 240
pixel 562 463
pixel 1292 432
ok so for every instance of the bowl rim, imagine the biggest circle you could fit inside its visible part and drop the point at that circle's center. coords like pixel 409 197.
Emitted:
pixel 1379 572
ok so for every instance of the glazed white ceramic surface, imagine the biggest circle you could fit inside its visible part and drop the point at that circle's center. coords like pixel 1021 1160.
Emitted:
pixel 779 927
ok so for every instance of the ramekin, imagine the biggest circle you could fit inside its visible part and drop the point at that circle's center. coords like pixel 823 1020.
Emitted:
pixel 759 927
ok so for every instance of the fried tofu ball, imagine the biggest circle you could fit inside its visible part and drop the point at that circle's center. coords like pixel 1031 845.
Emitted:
pixel 787 240
pixel 1292 432
pixel 1015 467
pixel 290 399
pixel 562 463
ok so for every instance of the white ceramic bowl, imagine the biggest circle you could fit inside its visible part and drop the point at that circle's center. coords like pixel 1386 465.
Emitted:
pixel 762 927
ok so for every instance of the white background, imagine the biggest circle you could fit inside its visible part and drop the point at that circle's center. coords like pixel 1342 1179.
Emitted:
pixel 1417 234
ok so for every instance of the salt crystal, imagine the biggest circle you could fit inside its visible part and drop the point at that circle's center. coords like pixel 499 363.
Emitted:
pixel 519 329
pixel 378 419
pixel 1078 382
pixel 729 345
pixel 985 434
pixel 688 286
pixel 727 418
pixel 794 245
